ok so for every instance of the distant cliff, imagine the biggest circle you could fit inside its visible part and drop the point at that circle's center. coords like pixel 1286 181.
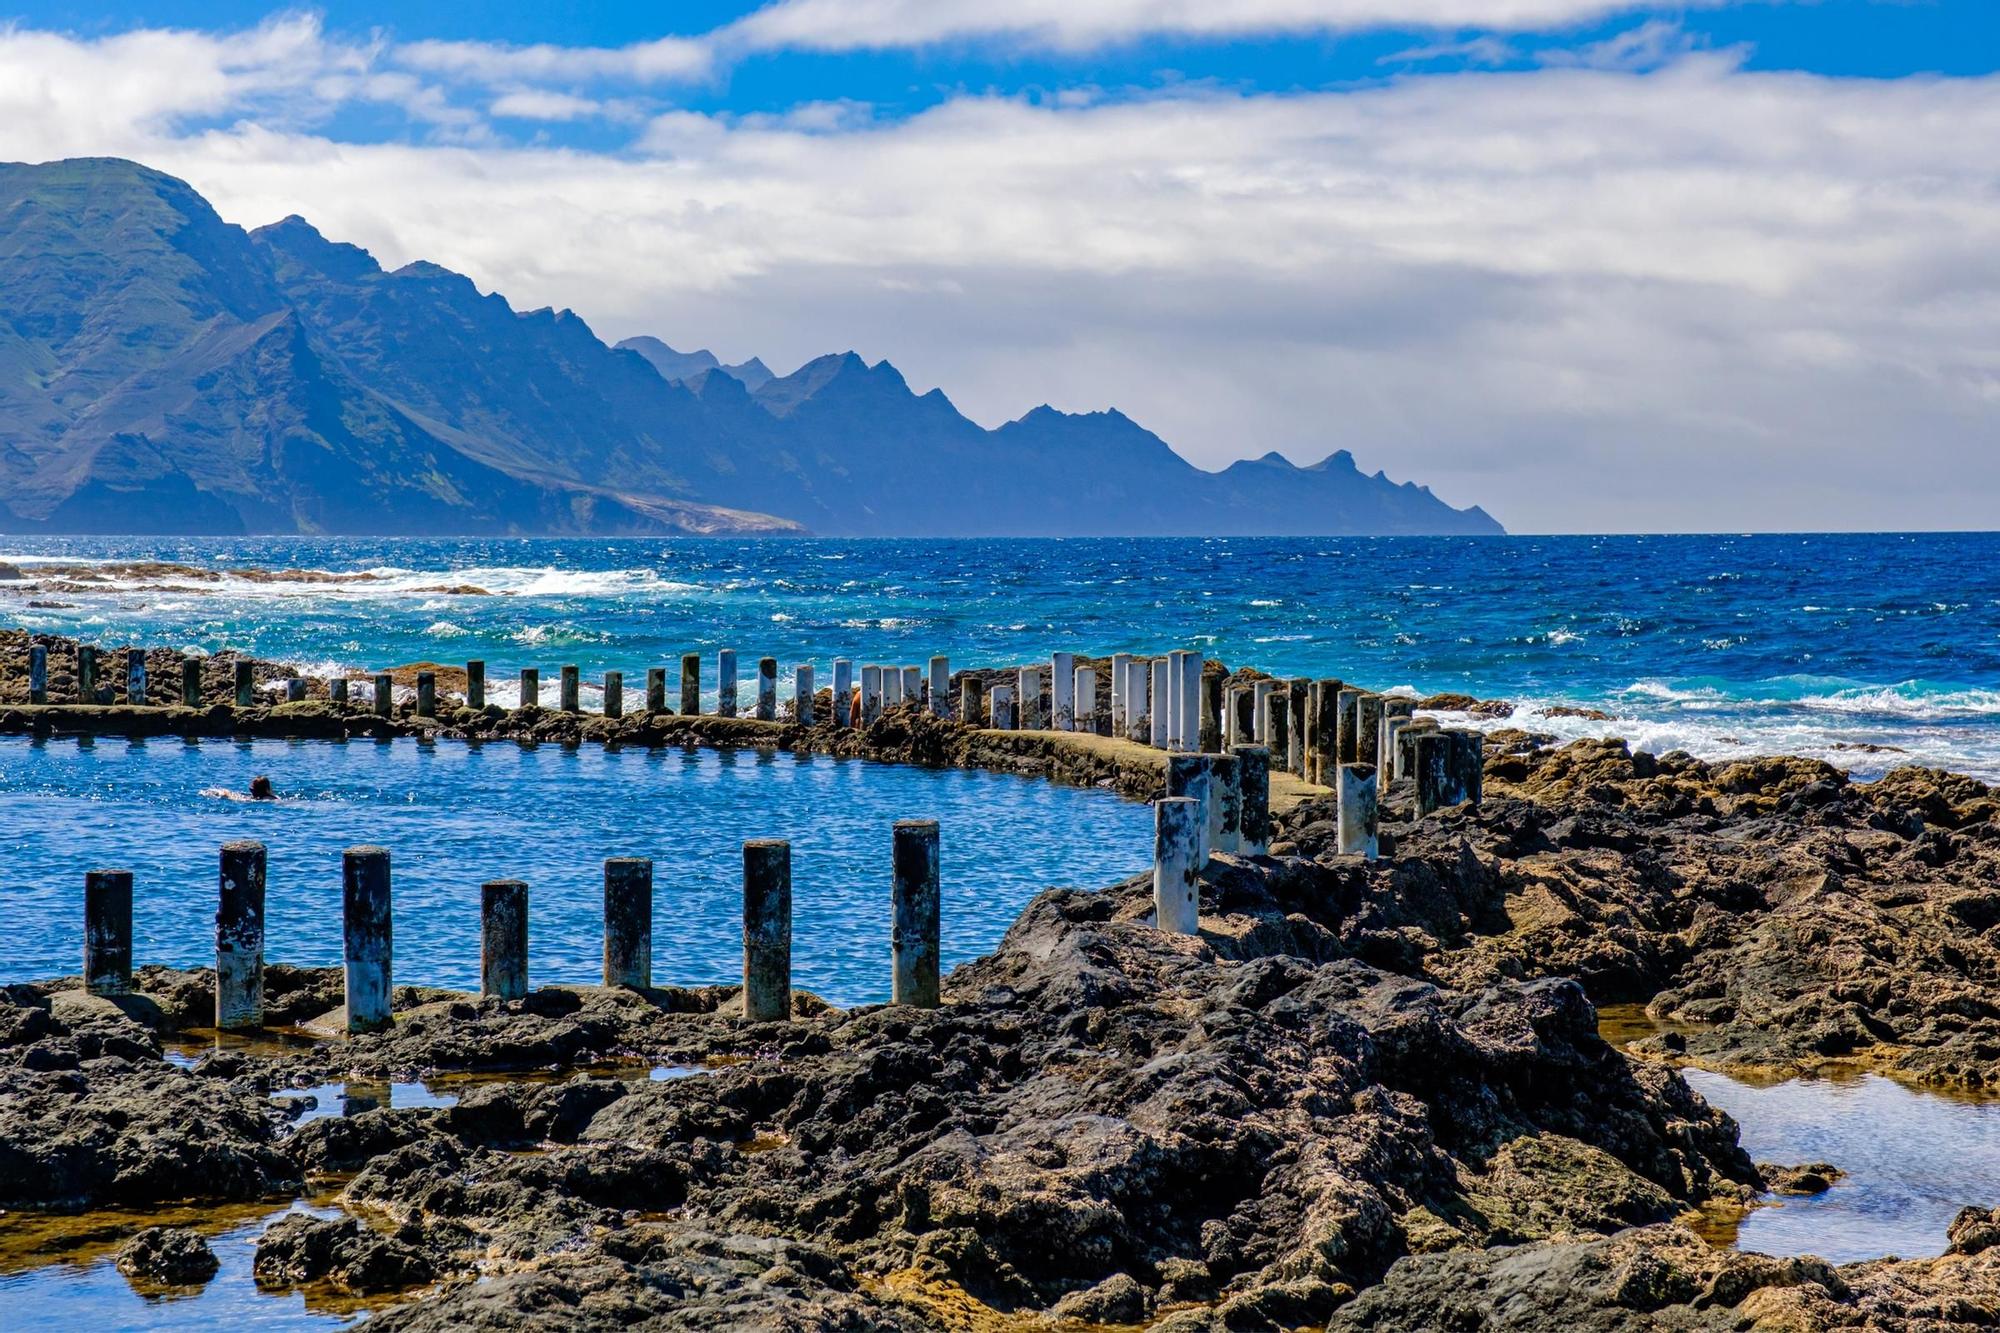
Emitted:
pixel 163 371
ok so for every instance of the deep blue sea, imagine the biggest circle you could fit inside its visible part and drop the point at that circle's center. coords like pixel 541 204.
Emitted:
pixel 1865 650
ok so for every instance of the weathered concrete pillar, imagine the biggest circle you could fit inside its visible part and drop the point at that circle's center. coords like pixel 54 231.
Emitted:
pixel 475 685
pixel 1062 691
pixel 427 694
pixel 614 693
pixel 1394 707
pixel 767 930
pixel 1278 727
pixel 569 694
pixel 1177 861
pixel 1028 702
pixel 191 682
pixel 913 685
pixel 628 922
pixel 38 673
pixel 295 691
pixel 1225 804
pixel 1259 692
pixel 802 694
pixel 1176 710
pixel 1432 770
pixel 656 689
pixel 1392 738
pixel 1083 699
pixel 940 686
pixel 913 937
pixel 1468 766
pixel 1240 706
pixel 1295 752
pixel 239 938
pixel 385 693
pixel 1121 666
pixel 892 686
pixel 1138 700
pixel 1325 734
pixel 871 695
pixel 1347 709
pixel 1406 745
pixel 531 688
pixel 135 677
pixel 1001 700
pixel 1210 719
pixel 725 682
pixel 972 700
pixel 1359 810
pixel 1159 671
pixel 107 932
pixel 369 938
pixel 1253 778
pixel 86 673
pixel 767 689
pixel 843 692
pixel 1190 775
pixel 1190 701
pixel 503 939
pixel 691 684
pixel 336 690
pixel 246 684
pixel 1367 727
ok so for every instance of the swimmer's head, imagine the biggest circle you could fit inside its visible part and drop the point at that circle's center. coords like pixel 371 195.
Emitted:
pixel 260 789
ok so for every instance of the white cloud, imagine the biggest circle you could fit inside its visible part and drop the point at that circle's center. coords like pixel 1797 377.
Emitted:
pixel 1486 50
pixel 1697 298
pixel 669 59
pixel 846 25
pixel 541 104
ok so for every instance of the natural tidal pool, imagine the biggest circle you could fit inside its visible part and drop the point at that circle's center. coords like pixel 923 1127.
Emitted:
pixel 455 815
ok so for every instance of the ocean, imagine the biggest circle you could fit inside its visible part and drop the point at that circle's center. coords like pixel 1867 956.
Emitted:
pixel 1868 651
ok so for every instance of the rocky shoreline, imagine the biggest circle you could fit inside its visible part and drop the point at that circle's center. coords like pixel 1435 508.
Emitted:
pixel 1369 1095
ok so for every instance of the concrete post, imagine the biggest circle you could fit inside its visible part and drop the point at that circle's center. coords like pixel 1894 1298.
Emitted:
pixel 531 688
pixel 570 692
pixel 843 692
pixel 1259 692
pixel 191 682
pixel 1278 727
pixel 767 930
pixel 913 938
pixel 86 674
pixel 336 691
pixel 239 938
pixel 767 689
pixel 1002 702
pixel 135 677
pixel 892 686
pixel 1326 731
pixel 1121 664
pixel 1347 711
pixel 913 685
pixel 1158 673
pixel 1359 810
pixel 1138 700
pixel 38 674
pixel 1406 745
pixel 1083 699
pixel 427 694
pixel 871 695
pixel 1210 720
pixel 691 684
pixel 1190 775
pixel 295 690
pixel 1029 701
pixel 1177 862
pixel 1295 753
pixel 1241 705
pixel 1190 700
pixel 1225 804
pixel 1393 708
pixel 1432 770
pixel 628 922
pixel 1367 727
pixel 107 932
pixel 972 700
pixel 475 685
pixel 725 682
pixel 656 689
pixel 1468 765
pixel 503 939
pixel 1392 738
pixel 369 939
pixel 1253 778
pixel 385 693
pixel 940 686
pixel 246 684
pixel 1062 691
pixel 614 693
pixel 802 694
pixel 1176 708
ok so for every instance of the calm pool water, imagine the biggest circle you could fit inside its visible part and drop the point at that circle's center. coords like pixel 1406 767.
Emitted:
pixel 454 816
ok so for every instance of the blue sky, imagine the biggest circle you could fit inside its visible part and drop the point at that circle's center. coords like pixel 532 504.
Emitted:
pixel 1575 265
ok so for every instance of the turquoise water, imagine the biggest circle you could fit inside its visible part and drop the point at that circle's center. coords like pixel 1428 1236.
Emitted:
pixel 1864 650
pixel 454 816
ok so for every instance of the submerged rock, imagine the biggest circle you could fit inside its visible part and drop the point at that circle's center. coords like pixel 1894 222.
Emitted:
pixel 168 1257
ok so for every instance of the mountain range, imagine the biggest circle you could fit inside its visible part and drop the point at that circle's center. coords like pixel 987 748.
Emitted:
pixel 163 371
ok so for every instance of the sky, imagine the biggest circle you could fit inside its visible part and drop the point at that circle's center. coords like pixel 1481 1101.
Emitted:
pixel 1594 265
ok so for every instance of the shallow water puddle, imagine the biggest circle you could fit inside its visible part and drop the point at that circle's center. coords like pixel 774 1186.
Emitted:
pixel 325 1101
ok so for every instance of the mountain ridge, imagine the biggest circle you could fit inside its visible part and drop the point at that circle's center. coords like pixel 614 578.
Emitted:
pixel 164 370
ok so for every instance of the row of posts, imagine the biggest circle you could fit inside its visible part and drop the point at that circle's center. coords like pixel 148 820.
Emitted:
pixel 368 930
pixel 1317 729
